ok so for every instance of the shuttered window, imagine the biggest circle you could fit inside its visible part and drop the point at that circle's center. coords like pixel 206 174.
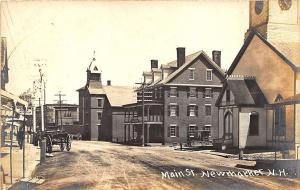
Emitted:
pixel 173 110
pixel 173 131
pixel 173 92
pixel 192 110
pixel 208 93
pixel 208 110
pixel 192 92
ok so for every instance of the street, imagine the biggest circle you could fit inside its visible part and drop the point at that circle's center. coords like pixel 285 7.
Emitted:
pixel 104 165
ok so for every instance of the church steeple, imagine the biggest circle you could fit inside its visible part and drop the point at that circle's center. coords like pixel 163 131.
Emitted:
pixel 277 21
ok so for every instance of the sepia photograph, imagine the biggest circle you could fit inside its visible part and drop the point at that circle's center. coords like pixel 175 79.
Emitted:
pixel 150 94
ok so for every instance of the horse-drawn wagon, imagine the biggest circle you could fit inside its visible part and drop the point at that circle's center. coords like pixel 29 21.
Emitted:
pixel 60 138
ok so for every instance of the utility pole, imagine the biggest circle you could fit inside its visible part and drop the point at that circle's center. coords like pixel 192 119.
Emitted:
pixel 60 101
pixel 24 125
pixel 42 91
pixel 33 108
pixel 143 113
pixel 11 141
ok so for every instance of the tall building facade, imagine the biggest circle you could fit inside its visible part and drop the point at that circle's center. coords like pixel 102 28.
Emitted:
pixel 100 107
pixel 179 100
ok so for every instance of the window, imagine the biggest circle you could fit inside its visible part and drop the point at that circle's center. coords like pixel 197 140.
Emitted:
pixel 192 131
pixel 160 93
pixel 100 102
pixel 192 110
pixel 192 92
pixel 253 129
pixel 191 73
pixel 67 114
pixel 208 110
pixel 135 132
pixel 280 121
pixel 205 133
pixel 99 115
pixel 173 92
pixel 173 131
pixel 173 110
pixel 209 74
pixel 207 93
pixel 192 128
pixel 227 95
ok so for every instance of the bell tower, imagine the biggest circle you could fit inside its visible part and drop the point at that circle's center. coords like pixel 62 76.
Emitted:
pixel 93 74
pixel 276 20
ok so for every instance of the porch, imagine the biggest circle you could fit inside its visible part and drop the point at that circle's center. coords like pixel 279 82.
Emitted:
pixel 149 115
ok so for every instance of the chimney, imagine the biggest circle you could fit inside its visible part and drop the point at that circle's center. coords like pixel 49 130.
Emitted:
pixel 108 82
pixel 216 56
pixel 180 56
pixel 154 64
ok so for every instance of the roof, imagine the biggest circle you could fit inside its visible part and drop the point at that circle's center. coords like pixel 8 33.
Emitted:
pixel 245 91
pixel 120 95
pixel 116 95
pixel 188 61
pixel 288 101
pixel 63 105
pixel 289 52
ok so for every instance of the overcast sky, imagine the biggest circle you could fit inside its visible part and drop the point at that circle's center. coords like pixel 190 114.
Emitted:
pixel 125 36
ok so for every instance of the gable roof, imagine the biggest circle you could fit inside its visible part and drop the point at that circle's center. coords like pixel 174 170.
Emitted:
pixel 116 95
pixel 120 95
pixel 245 91
pixel 289 52
pixel 188 61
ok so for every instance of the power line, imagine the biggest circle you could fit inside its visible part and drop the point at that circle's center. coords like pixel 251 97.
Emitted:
pixel 60 101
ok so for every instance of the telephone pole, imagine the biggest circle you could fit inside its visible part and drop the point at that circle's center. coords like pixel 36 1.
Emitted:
pixel 60 111
pixel 42 85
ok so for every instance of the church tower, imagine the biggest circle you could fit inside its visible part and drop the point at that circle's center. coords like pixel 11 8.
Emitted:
pixel 93 74
pixel 276 20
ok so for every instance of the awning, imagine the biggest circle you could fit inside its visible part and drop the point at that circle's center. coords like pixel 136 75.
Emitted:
pixel 10 96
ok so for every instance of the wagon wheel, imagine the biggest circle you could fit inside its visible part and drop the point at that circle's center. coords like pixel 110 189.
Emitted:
pixel 68 143
pixel 62 145
pixel 48 144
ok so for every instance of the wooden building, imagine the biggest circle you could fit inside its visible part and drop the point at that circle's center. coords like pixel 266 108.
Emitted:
pixel 270 55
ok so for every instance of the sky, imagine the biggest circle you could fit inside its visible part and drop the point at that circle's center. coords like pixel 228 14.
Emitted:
pixel 62 36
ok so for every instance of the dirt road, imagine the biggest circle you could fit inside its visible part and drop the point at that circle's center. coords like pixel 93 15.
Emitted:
pixel 103 165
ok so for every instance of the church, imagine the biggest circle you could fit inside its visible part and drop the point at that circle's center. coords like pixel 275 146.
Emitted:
pixel 259 106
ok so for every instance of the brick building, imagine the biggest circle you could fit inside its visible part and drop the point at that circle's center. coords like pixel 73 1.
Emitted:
pixel 179 100
pixel 100 107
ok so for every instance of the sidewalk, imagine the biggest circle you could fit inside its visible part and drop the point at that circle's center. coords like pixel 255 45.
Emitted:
pixel 32 159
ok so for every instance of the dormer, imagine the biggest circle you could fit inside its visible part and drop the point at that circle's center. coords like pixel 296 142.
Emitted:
pixel 147 77
pixel 156 75
pixel 166 71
